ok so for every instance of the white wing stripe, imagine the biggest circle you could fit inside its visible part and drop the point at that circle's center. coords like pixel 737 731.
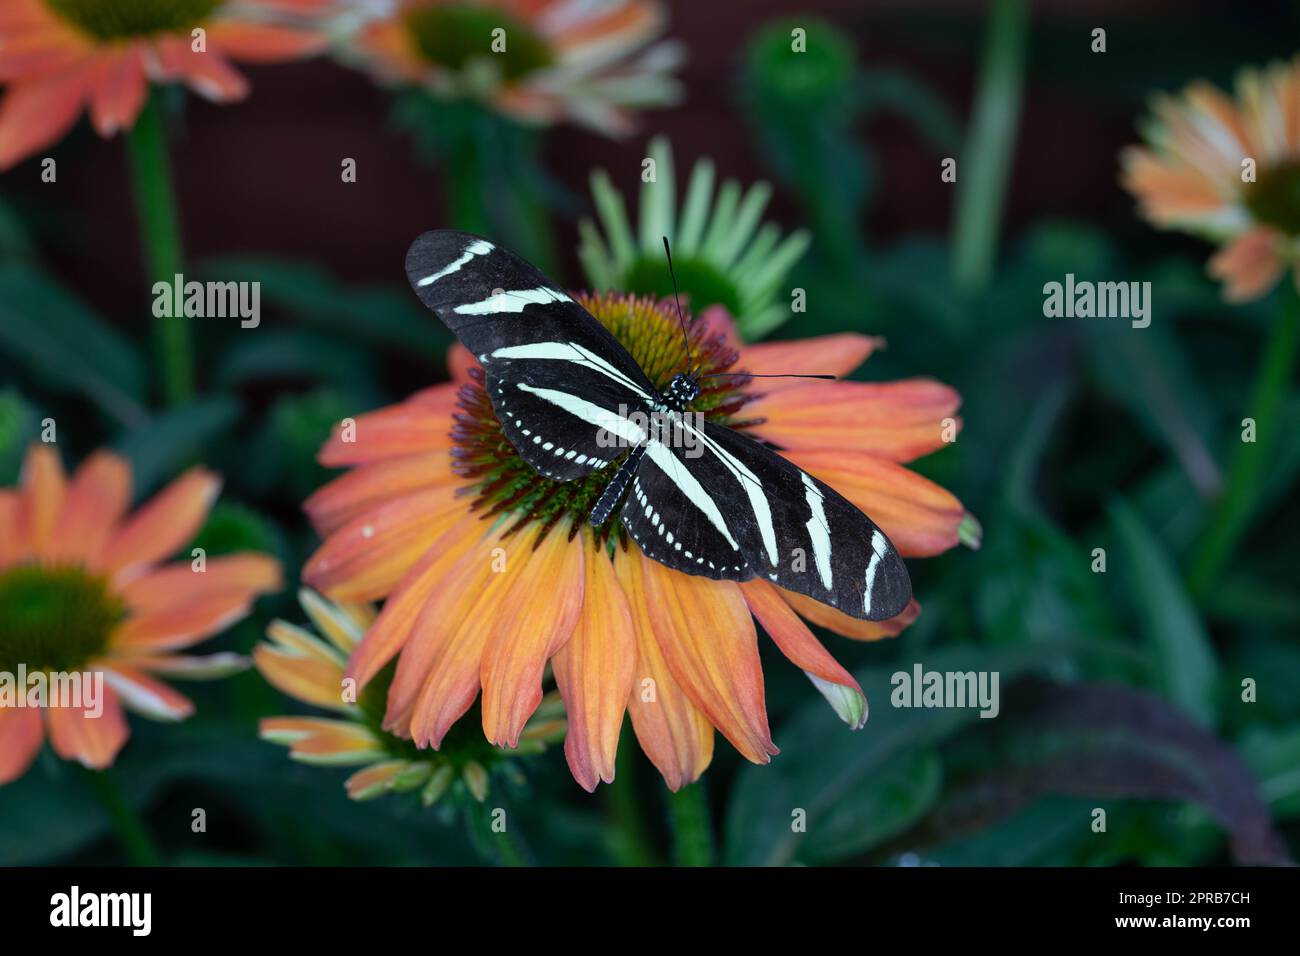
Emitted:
pixel 819 531
pixel 476 248
pixel 689 486
pixel 592 414
pixel 512 301
pixel 569 352
pixel 879 548
pixel 753 490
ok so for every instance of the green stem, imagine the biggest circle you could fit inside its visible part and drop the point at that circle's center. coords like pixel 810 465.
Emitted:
pixel 155 202
pixel 496 846
pixel 1233 512
pixel 630 842
pixel 688 816
pixel 131 833
pixel 985 165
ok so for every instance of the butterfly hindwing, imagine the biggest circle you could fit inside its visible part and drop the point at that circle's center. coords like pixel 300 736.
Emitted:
pixel 557 378
pixel 751 513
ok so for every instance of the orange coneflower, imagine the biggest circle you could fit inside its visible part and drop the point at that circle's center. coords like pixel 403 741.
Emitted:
pixel 540 61
pixel 314 671
pixel 1229 171
pixel 58 56
pixel 82 591
pixel 475 603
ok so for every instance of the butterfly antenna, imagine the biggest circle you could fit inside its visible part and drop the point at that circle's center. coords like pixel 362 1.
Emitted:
pixel 767 375
pixel 686 339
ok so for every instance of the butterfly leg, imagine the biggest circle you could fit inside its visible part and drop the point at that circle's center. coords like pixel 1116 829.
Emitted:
pixel 613 492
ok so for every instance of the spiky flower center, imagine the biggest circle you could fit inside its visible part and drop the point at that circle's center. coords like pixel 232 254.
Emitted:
pixel 1274 198
pixel 54 618
pixel 109 20
pixel 649 329
pixel 452 35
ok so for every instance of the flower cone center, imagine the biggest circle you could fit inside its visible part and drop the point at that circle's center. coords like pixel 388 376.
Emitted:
pixel 54 618
pixel 108 20
pixel 452 35
pixel 649 329
pixel 1274 198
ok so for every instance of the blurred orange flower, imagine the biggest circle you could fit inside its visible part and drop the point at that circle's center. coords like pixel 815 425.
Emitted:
pixel 488 604
pixel 539 61
pixel 58 56
pixel 1227 170
pixel 82 591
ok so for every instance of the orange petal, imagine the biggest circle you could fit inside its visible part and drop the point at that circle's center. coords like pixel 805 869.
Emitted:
pixel 823 615
pixel 374 781
pixel 180 625
pixel 97 497
pixel 366 558
pixel 406 429
pixel 822 355
pixel 443 658
pixel 38 112
pixel 706 634
pixel 320 740
pixel 672 731
pixel 536 618
pixel 146 695
pixel 244 574
pixel 119 92
pixel 797 643
pixel 920 517
pixel 459 362
pixel 157 529
pixel 392 629
pixel 368 486
pixel 91 741
pixel 20 741
pixel 1248 266
pixel 13 538
pixel 207 73
pixel 43 490
pixel 264 42
pixel 300 665
pixel 896 420
pixel 594 672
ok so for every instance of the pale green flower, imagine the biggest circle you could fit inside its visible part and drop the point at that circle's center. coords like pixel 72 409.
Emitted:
pixel 723 253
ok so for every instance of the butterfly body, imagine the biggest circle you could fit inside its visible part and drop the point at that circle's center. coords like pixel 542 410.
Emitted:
pixel 694 495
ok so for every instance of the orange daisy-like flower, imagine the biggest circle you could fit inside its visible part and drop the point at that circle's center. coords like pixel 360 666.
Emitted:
pixel 539 61
pixel 314 671
pixel 488 604
pixel 82 592
pixel 58 56
pixel 1228 170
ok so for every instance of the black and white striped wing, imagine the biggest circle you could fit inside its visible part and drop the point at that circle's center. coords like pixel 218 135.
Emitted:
pixel 560 383
pixel 739 510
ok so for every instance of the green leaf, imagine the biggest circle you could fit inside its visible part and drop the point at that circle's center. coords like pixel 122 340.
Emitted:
pixel 1186 669
pixel 68 346
pixel 1274 755
pixel 388 316
pixel 164 444
pixel 19 426
pixel 856 789
pixel 274 356
pixel 1112 742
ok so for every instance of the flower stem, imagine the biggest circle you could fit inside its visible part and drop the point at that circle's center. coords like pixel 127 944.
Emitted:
pixel 630 843
pixel 688 816
pixel 131 833
pixel 155 202
pixel 1232 514
pixel 986 161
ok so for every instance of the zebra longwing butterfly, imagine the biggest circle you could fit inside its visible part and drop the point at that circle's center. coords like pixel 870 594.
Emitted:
pixel 695 496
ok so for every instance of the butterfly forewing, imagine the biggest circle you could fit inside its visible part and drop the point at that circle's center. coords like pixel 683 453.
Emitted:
pixel 560 383
pixel 748 512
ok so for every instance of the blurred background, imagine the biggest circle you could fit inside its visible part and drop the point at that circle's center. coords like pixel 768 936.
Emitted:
pixel 1121 690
